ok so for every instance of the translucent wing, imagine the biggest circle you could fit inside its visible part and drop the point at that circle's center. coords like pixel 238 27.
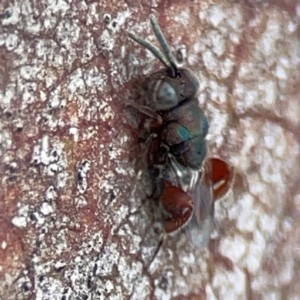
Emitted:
pixel 198 185
pixel 201 224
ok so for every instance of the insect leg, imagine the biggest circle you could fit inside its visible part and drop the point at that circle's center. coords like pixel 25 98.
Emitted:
pixel 156 251
pixel 143 109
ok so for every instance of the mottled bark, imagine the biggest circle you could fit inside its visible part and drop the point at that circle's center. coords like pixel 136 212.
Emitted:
pixel 77 222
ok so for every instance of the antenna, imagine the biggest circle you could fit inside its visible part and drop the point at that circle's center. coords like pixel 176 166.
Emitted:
pixel 166 58
pixel 164 44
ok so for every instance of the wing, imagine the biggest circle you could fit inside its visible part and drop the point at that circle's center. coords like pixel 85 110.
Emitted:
pixel 214 183
pixel 198 186
pixel 201 224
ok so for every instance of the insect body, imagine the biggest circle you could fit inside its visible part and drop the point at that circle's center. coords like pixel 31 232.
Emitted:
pixel 187 189
pixel 172 93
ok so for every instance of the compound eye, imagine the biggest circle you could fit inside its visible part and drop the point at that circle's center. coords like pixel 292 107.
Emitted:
pixel 166 97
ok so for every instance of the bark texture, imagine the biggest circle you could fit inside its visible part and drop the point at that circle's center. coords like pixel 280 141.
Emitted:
pixel 77 222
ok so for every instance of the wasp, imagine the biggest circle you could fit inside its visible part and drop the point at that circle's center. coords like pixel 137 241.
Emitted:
pixel 188 186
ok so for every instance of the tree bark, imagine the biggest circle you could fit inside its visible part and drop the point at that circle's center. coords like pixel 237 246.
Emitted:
pixel 77 222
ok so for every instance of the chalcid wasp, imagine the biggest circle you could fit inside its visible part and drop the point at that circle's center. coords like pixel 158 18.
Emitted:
pixel 187 182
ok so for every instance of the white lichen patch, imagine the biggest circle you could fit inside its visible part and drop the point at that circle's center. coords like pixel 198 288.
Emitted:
pixel 21 218
pixel 11 42
pixel 275 139
pixel 271 171
pixel 82 172
pixel 234 248
pixel 245 213
pixel 257 187
pixel 229 285
pixel 12 14
pixel 67 33
pixel 53 159
pixel 210 61
pixel 268 93
pixel 266 45
pixel 76 83
pixel 3 245
pixel 216 127
pixel 115 24
pixel 268 224
pixel 7 96
pixel 29 72
pixel 5 141
pixel 49 288
pixel 46 208
pixel 19 221
pixel 183 17
pixel 245 97
pixel 255 252
pixel 216 42
pixel 214 15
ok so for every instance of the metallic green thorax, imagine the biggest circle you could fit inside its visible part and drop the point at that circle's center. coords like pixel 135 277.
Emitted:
pixel 185 130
